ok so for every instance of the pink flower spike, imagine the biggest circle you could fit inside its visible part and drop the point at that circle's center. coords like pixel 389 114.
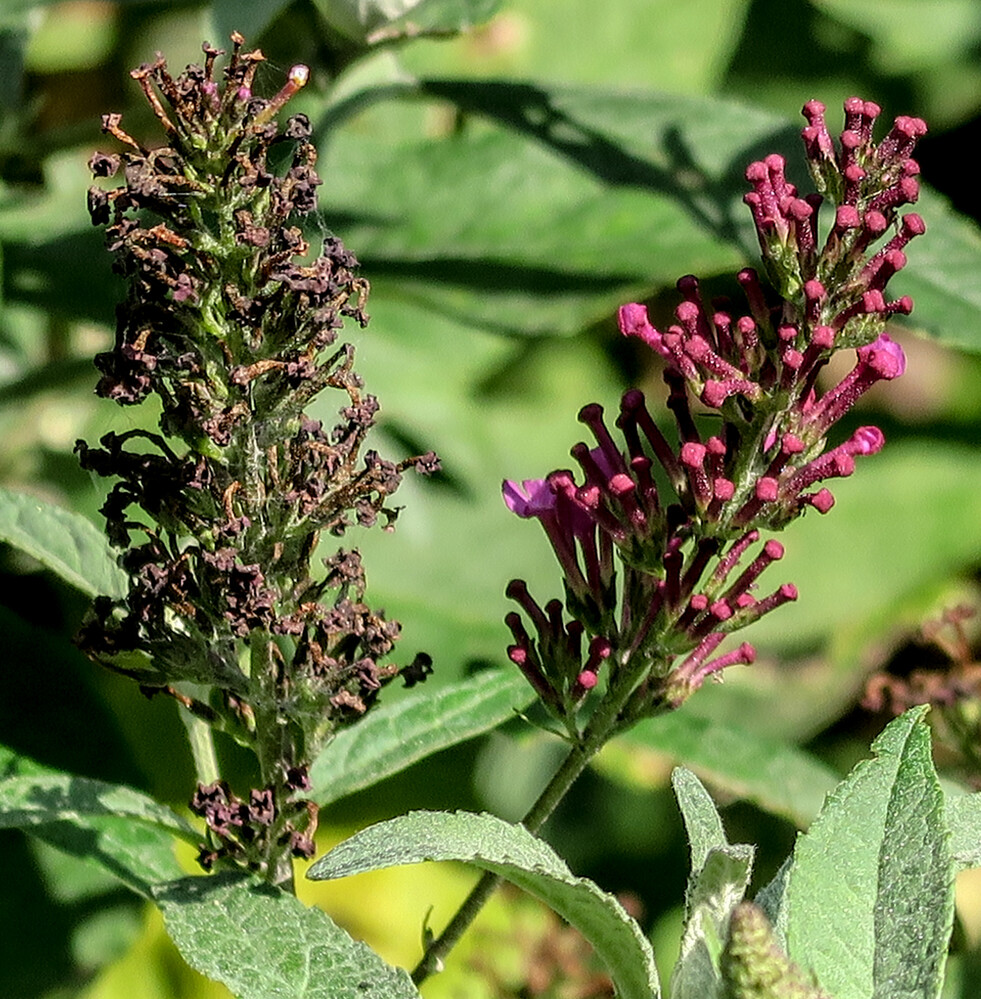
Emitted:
pixel 875 223
pixel 733 555
pixel 817 138
pixel 599 649
pixel 902 306
pixel 847 217
pixel 823 337
pixel 772 552
pixel 814 295
pixel 786 594
pixel 836 464
pixel 749 281
pixel 721 610
pixel 912 225
pixel 692 456
pixel 723 489
pixel 899 143
pixel 715 393
pixel 691 674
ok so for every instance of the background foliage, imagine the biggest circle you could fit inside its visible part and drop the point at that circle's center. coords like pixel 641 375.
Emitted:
pixel 500 224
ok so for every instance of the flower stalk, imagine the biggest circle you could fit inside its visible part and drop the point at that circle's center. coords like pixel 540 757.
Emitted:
pixel 660 538
pixel 231 322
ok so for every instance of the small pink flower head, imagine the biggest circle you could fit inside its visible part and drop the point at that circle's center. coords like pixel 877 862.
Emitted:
pixel 884 356
pixel 866 440
pixel 633 321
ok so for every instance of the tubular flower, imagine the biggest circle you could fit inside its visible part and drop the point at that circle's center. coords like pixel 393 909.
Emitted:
pixel 682 513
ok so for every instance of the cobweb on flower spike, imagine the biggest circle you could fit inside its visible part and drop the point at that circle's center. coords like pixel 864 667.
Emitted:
pixel 660 543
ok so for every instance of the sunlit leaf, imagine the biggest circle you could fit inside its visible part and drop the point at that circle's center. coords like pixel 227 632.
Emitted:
pixel 516 855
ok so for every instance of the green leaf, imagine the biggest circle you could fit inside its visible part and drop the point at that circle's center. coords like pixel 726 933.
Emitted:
pixel 718 880
pixel 357 19
pixel 438 17
pixel 774 775
pixel 394 736
pixel 250 19
pixel 771 899
pixel 262 943
pixel 702 821
pixel 689 52
pixel 942 275
pixel 516 855
pixel 871 891
pixel 116 828
pixel 35 800
pixel 458 219
pixel 908 36
pixel 371 21
pixel 62 541
pixel 963 813
pixel 139 856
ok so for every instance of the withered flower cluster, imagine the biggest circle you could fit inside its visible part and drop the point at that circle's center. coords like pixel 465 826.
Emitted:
pixel 231 322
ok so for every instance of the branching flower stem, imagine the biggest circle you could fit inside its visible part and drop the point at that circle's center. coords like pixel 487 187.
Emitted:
pixel 604 724
pixel 662 564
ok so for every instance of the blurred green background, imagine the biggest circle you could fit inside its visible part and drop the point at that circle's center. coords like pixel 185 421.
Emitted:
pixel 557 159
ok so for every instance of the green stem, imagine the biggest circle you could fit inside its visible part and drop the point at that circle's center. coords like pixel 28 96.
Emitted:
pixel 602 726
pixel 274 751
pixel 201 740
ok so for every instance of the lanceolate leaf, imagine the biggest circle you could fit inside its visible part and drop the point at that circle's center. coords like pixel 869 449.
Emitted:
pixel 39 799
pixel 64 542
pixel 777 776
pixel 716 885
pixel 265 944
pixel 120 830
pixel 139 856
pixel 394 736
pixel 368 21
pixel 870 894
pixel 702 821
pixel 713 893
pixel 963 813
pixel 515 854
